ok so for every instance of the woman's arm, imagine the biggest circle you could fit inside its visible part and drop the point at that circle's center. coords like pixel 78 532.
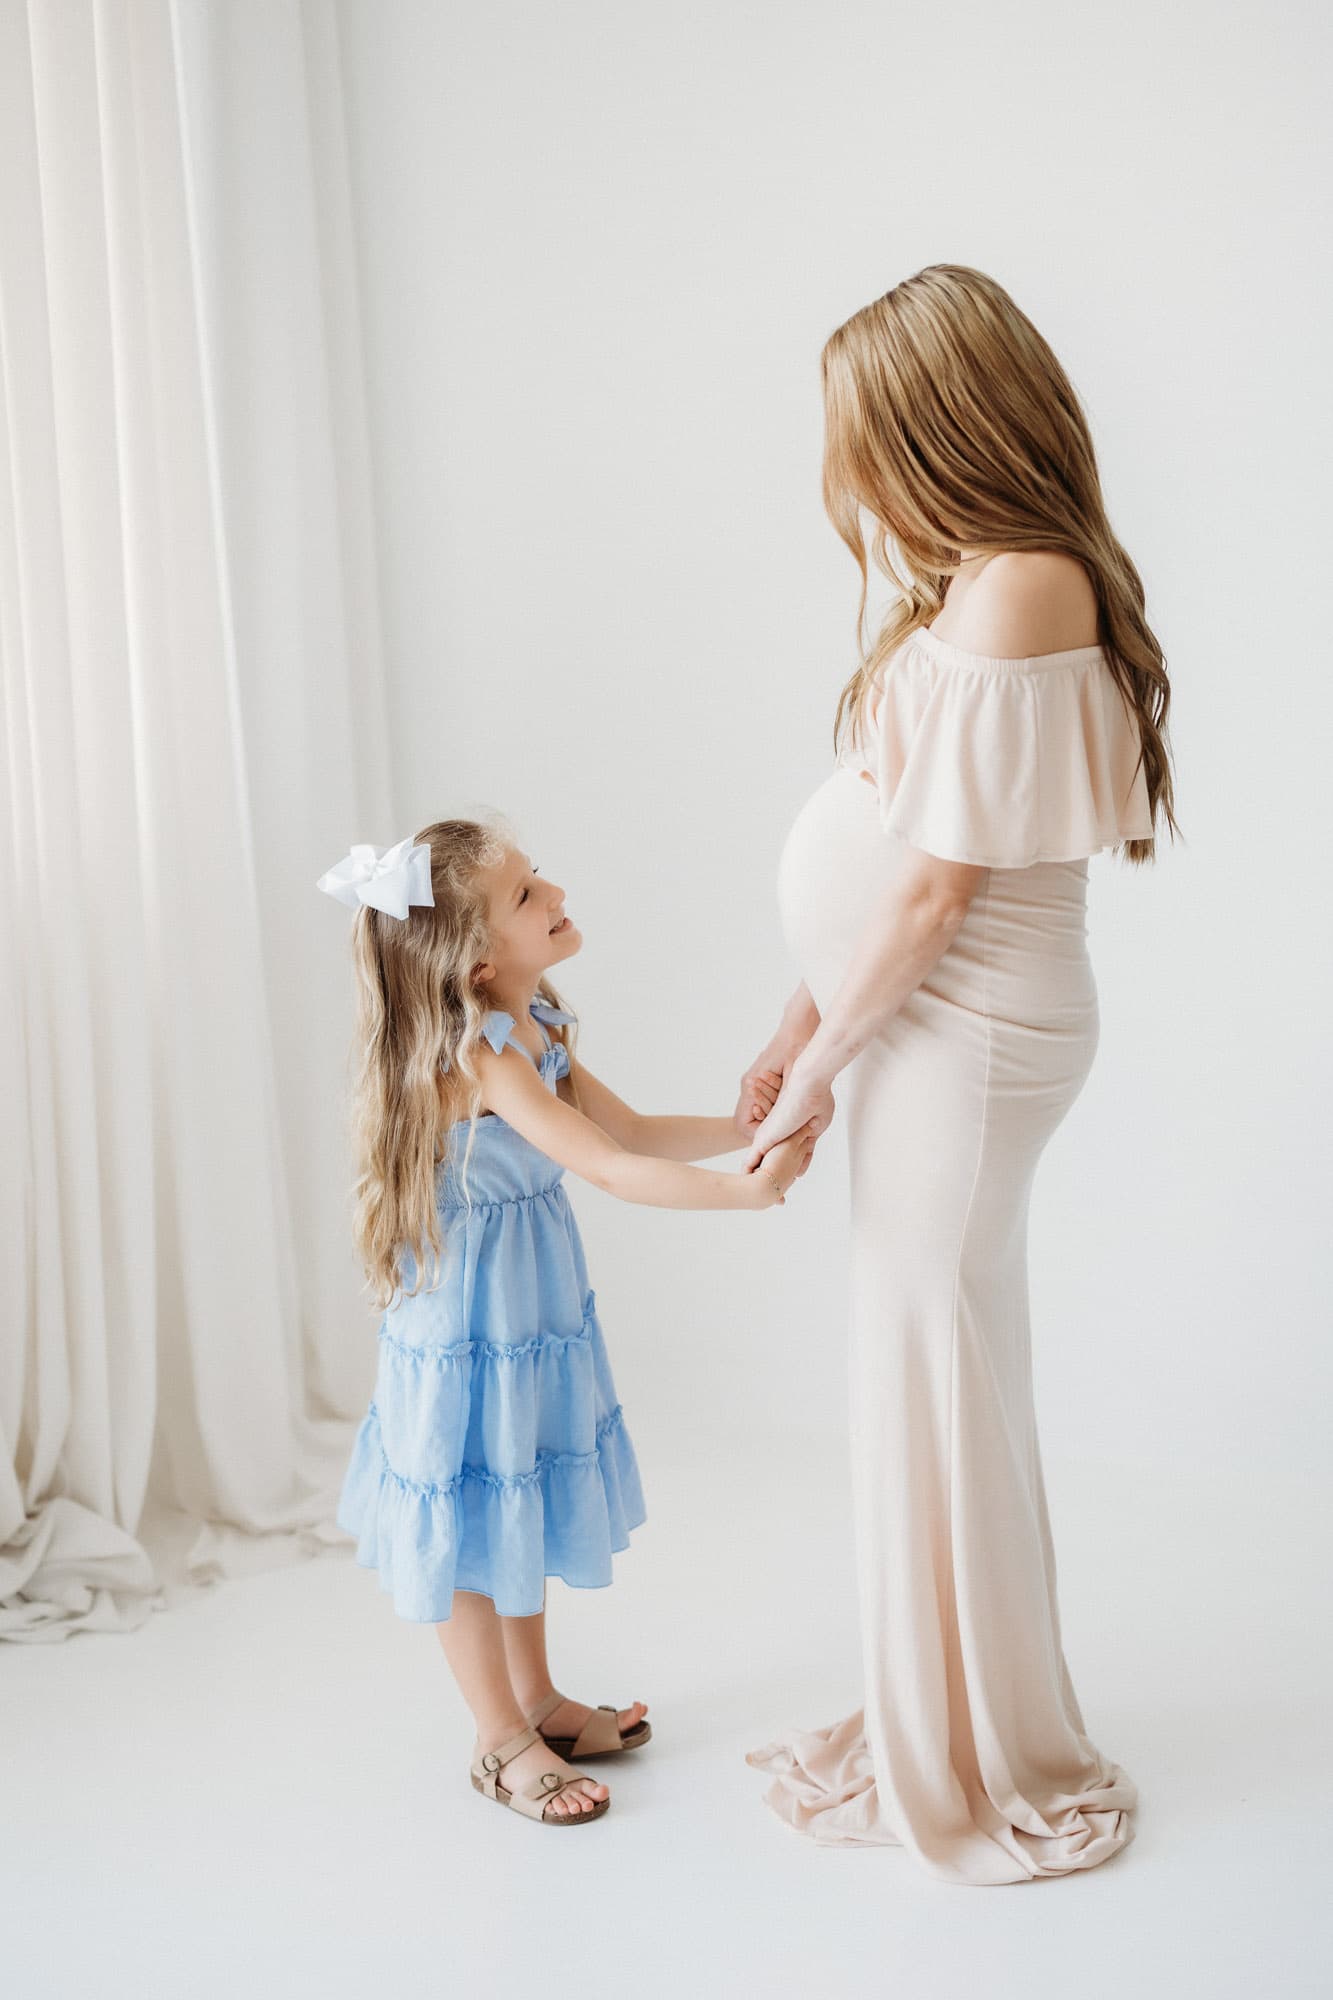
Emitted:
pixel 512 1088
pixel 908 931
pixel 763 1080
pixel 800 1016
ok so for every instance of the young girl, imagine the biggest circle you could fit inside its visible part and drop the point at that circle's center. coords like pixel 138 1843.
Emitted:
pixel 495 1453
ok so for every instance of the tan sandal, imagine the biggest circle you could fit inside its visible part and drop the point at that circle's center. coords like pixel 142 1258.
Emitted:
pixel 599 1737
pixel 533 1799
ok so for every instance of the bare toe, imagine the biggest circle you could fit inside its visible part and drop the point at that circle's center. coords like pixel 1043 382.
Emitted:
pixel 580 1798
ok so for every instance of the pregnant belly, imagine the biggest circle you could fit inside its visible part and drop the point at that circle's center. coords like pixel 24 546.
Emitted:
pixel 1020 954
pixel 836 863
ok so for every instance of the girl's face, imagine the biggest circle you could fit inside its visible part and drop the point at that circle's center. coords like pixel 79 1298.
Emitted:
pixel 528 923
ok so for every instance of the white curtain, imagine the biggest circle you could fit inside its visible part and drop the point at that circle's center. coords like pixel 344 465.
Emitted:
pixel 193 728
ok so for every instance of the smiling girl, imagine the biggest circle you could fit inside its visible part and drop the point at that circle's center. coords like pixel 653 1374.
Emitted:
pixel 495 1452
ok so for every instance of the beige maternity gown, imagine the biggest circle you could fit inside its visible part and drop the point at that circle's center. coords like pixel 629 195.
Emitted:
pixel 970 1748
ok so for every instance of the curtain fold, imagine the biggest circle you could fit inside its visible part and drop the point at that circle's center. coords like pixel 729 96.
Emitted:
pixel 194 726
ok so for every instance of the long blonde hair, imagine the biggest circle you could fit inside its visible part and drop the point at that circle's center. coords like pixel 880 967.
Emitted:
pixel 417 1009
pixel 950 420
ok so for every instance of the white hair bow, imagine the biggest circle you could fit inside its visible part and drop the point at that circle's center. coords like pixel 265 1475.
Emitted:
pixel 387 878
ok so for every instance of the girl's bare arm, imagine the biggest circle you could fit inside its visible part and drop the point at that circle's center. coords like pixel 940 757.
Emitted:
pixel 663 1138
pixel 512 1088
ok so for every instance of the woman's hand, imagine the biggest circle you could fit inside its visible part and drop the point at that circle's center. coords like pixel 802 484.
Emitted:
pixel 759 1093
pixel 802 1101
pixel 760 1088
pixel 763 1080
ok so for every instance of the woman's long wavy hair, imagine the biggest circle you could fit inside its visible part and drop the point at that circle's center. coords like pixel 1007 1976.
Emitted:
pixel 418 1010
pixel 949 419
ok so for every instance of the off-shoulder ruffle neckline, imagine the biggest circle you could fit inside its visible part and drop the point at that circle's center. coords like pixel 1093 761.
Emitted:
pixel 954 656
pixel 1003 763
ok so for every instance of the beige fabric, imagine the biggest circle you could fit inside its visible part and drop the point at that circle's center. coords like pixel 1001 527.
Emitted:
pixel 1004 762
pixel 970 1748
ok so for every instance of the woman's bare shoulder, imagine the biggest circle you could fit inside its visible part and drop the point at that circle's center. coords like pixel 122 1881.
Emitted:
pixel 1023 603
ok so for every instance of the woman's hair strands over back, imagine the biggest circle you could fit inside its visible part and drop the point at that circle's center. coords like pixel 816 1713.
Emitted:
pixel 950 420
pixel 417 1009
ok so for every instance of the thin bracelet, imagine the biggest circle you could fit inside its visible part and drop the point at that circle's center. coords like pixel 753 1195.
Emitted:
pixel 773 1177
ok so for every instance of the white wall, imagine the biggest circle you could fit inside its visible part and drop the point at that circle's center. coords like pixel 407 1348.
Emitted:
pixel 600 249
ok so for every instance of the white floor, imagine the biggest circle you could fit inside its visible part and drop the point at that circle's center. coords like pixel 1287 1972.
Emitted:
pixel 264 1791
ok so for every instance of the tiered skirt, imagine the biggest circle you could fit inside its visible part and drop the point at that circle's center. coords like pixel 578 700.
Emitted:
pixel 490 1464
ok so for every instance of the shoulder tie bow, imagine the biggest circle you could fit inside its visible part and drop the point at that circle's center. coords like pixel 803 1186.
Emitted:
pixel 546 1012
pixel 497 1027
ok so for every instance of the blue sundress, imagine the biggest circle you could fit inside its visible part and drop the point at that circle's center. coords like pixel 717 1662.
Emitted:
pixel 494 1453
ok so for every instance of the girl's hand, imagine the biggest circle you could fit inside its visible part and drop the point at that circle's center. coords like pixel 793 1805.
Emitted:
pixel 801 1102
pixel 782 1164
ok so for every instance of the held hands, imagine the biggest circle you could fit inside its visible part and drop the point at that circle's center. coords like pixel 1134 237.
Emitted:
pixel 781 1113
pixel 759 1093
pixel 781 1165
pixel 792 1104
pixel 761 1087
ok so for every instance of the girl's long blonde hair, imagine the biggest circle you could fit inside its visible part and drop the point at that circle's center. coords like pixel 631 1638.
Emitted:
pixel 417 1009
pixel 950 420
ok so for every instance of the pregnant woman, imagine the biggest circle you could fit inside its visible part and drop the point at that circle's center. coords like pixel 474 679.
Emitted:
pixel 1008 723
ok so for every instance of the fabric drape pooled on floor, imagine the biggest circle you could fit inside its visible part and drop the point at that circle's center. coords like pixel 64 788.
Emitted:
pixel 193 726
